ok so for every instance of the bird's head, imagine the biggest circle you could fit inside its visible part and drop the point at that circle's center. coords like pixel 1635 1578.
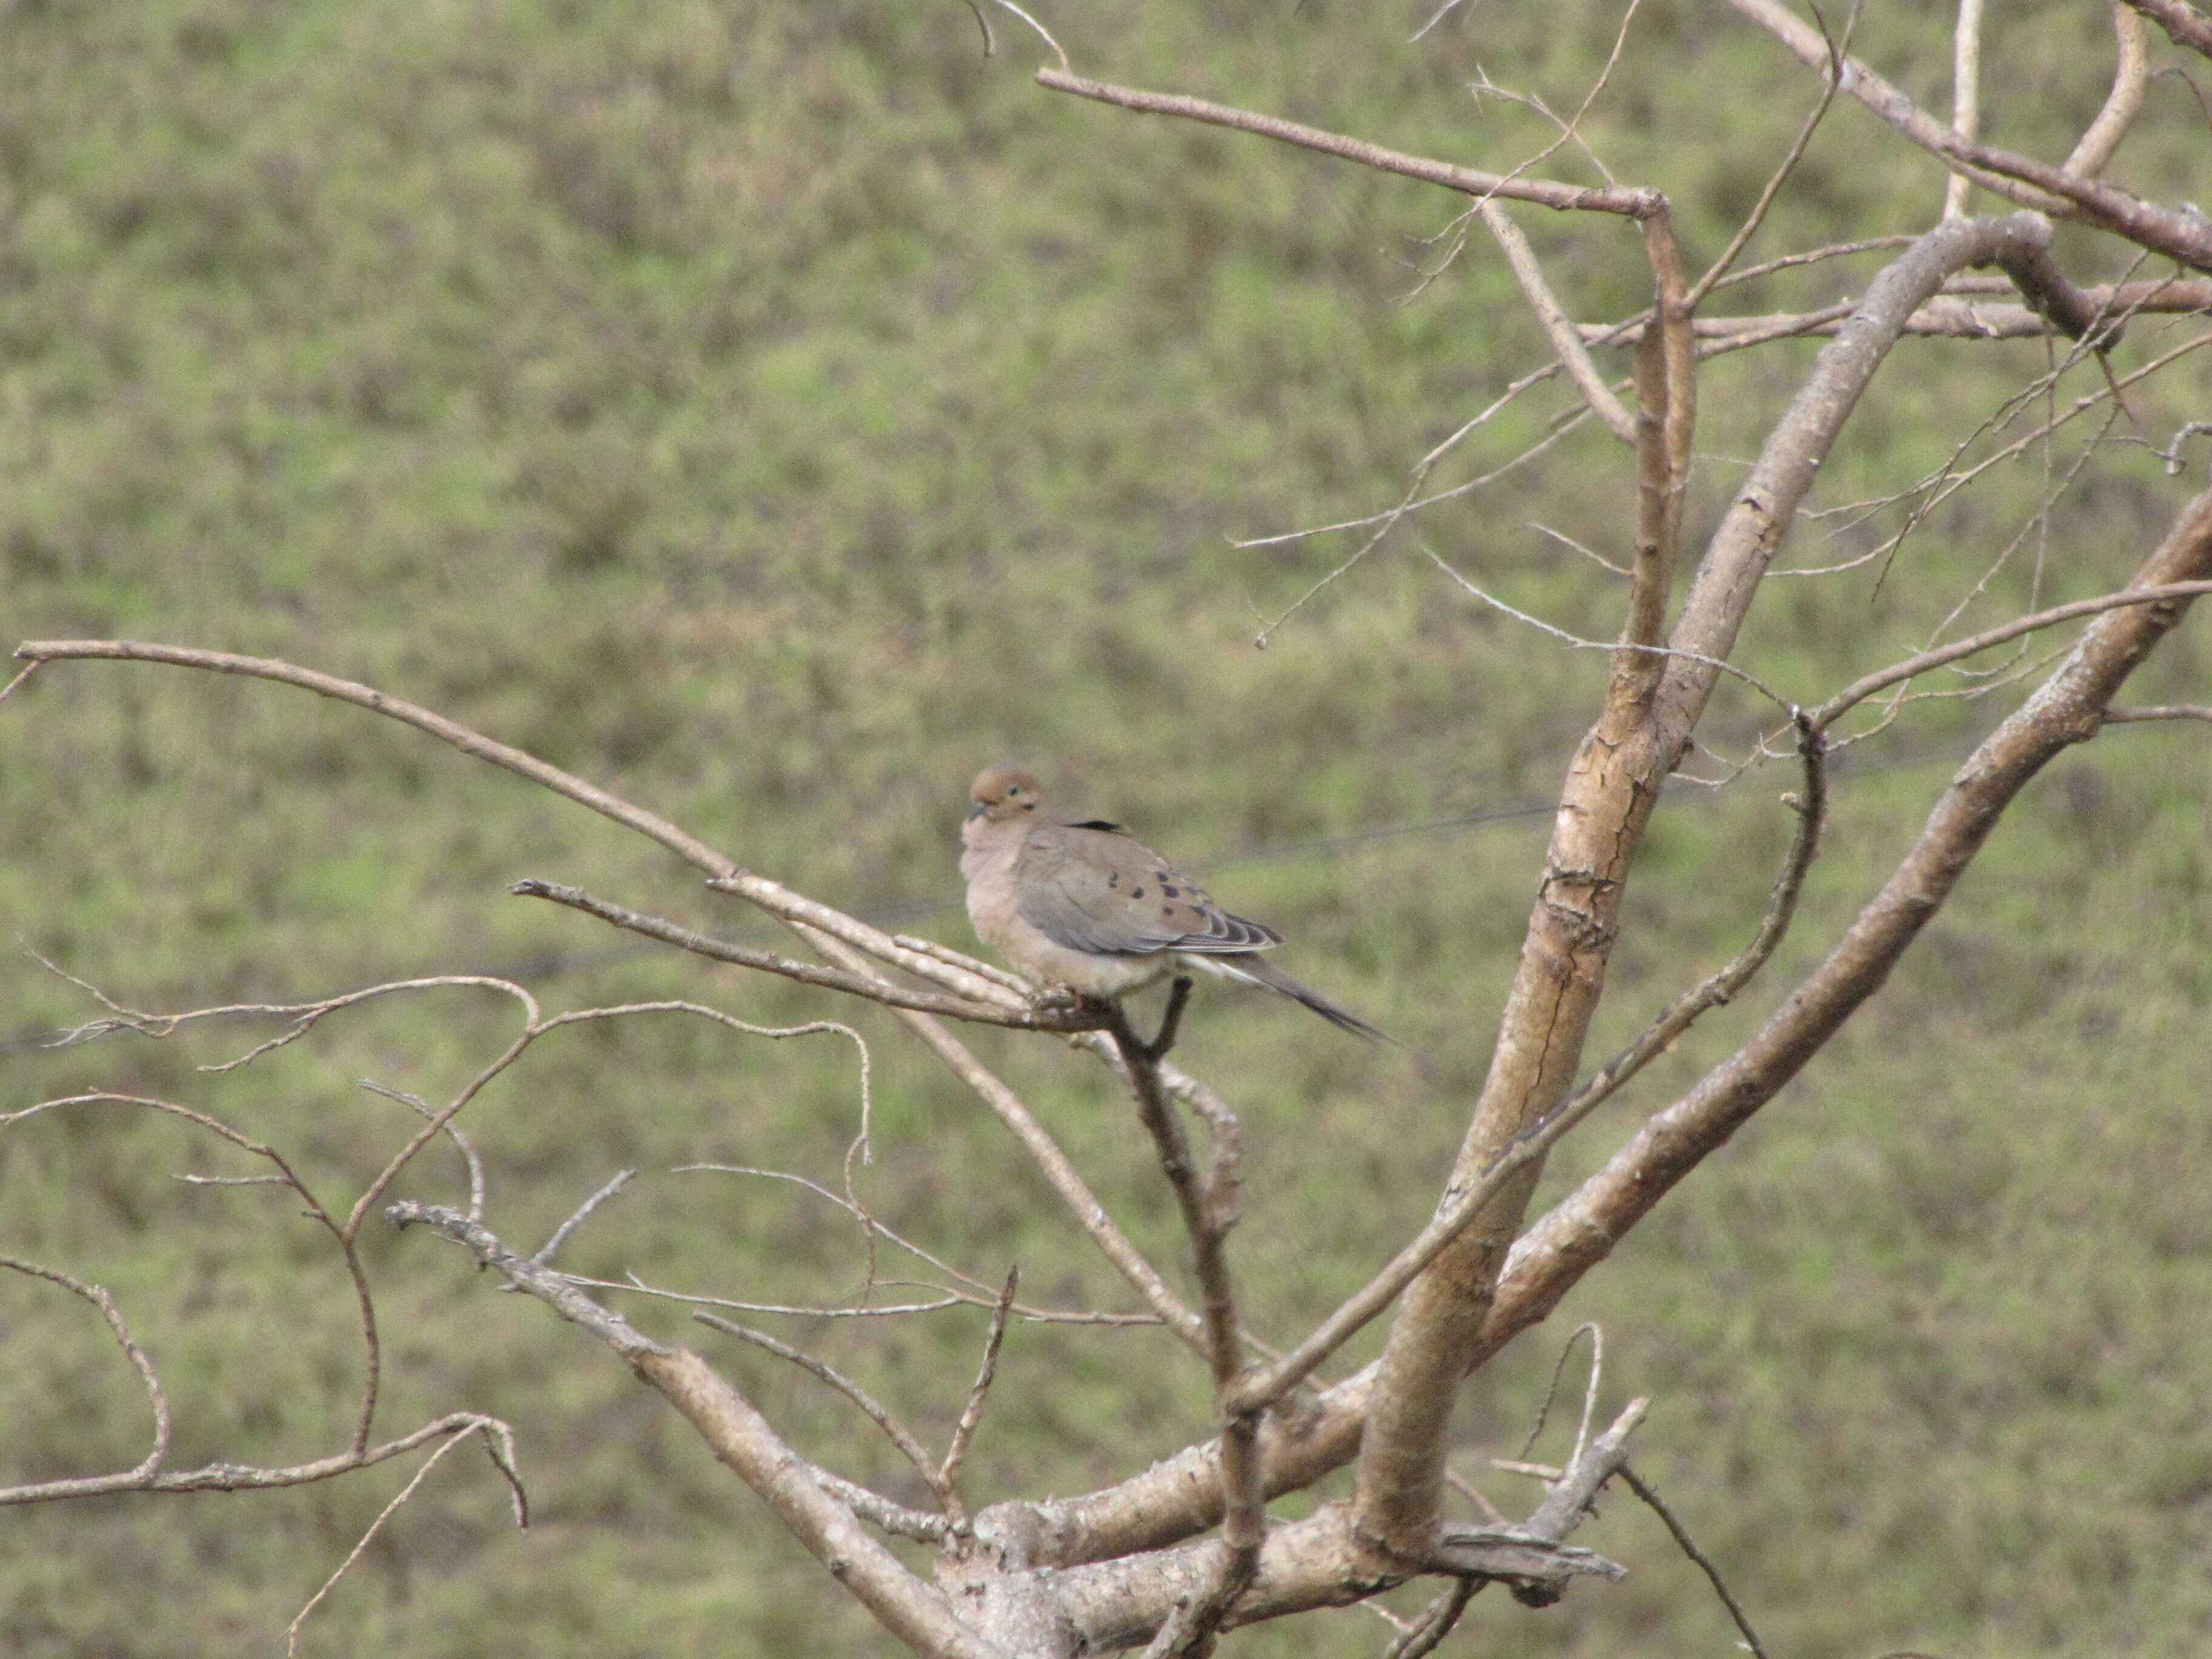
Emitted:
pixel 1005 794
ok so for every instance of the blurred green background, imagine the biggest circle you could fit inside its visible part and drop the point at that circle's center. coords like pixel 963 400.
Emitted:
pixel 775 413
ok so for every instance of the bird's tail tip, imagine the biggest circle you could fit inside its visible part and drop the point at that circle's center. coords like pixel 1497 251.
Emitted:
pixel 1260 971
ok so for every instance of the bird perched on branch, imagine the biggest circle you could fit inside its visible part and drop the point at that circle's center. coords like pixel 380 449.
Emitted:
pixel 1076 902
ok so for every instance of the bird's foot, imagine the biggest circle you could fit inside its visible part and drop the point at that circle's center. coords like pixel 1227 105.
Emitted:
pixel 1063 999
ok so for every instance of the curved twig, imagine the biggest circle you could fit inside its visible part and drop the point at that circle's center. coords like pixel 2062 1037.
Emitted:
pixel 97 1295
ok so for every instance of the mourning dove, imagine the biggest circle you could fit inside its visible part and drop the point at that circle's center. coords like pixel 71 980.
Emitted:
pixel 1078 903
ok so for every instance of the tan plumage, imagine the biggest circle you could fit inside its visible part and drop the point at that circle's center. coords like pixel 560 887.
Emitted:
pixel 1076 902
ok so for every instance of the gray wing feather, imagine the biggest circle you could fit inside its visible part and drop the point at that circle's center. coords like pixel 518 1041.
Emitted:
pixel 1108 894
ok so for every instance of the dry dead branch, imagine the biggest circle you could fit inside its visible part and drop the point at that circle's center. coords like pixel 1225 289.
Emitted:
pixel 1166 1558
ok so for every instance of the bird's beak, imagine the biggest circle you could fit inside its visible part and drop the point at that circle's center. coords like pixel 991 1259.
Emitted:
pixel 976 811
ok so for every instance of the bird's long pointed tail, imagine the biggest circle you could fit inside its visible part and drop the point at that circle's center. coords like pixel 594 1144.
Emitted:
pixel 1253 968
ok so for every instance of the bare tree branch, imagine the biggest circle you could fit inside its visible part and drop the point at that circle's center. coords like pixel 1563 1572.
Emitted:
pixel 2131 74
pixel 1323 1561
pixel 1945 317
pixel 1558 327
pixel 1864 687
pixel 839 937
pixel 1435 1624
pixel 546 1251
pixel 874 1409
pixel 2019 178
pixel 971 1414
pixel 1716 275
pixel 1965 97
pixel 1207 1220
pixel 2184 24
pixel 1050 1160
pixel 499 1439
pixel 1642 1489
pixel 1606 801
pixel 151 1466
pixel 1590 199
pixel 873 989
pixel 740 1438
pixel 2171 711
pixel 1263 1387
pixel 2066 709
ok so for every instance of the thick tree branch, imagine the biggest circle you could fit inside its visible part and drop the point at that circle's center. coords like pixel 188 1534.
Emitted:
pixel 1268 1384
pixel 1611 788
pixel 742 1439
pixel 2184 24
pixel 2067 709
pixel 1322 1561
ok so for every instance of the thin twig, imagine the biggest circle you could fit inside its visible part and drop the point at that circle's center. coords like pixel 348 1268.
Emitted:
pixel 971 1414
pixel 1043 33
pixel 1558 327
pixel 2170 711
pixel 976 1293
pixel 1578 643
pixel 1965 97
pixel 1859 689
pixel 1633 203
pixel 1589 1394
pixel 1436 1622
pixel 1643 1490
pixel 1271 1381
pixel 292 1630
pixel 990 46
pixel 1206 1218
pixel 462 1143
pixel 97 1295
pixel 877 1412
pixel 1590 554
pixel 807 973
pixel 1718 270
pixel 622 1179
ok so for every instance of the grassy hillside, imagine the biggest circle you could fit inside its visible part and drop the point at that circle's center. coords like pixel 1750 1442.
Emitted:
pixel 774 413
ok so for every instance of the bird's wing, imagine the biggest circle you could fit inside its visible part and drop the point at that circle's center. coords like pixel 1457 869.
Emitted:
pixel 1091 890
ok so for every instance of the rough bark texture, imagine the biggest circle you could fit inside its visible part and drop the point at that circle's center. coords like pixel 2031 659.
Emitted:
pixel 1610 790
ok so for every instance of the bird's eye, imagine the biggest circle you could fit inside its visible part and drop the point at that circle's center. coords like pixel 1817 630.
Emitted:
pixel 1013 789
